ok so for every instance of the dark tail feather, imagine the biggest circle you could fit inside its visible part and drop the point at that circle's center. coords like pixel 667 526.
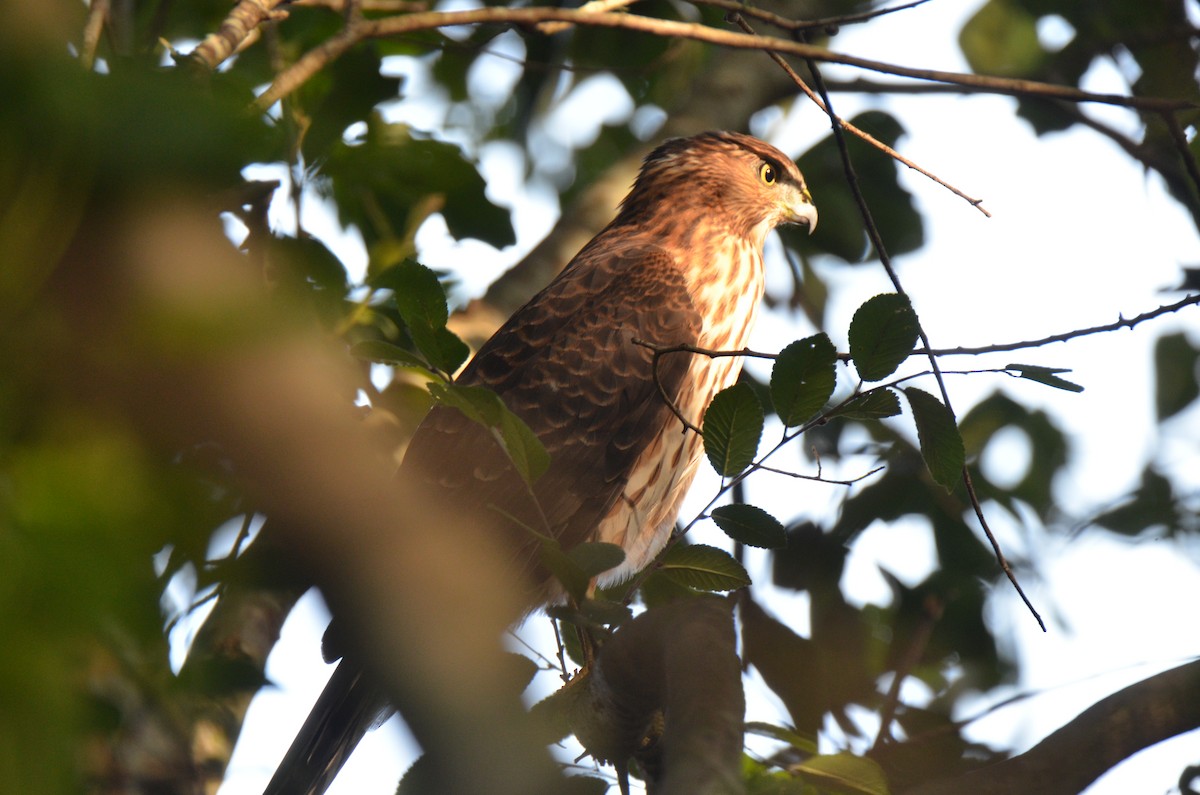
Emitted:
pixel 347 708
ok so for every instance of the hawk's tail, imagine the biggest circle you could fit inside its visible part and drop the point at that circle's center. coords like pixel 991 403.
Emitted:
pixel 348 707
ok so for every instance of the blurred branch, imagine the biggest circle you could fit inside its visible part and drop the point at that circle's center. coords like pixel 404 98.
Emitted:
pixel 316 59
pixel 1110 731
pixel 96 18
pixel 237 29
pixel 1119 324
pixel 649 668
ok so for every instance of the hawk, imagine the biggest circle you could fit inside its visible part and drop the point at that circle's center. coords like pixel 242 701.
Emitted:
pixel 680 264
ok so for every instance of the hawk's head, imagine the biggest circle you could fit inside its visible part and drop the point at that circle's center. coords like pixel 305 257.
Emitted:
pixel 728 179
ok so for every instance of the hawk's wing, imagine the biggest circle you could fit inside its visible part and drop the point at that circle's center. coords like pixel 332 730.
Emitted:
pixel 567 365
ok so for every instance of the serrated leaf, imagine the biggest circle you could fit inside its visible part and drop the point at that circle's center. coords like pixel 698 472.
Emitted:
pixel 873 405
pixel 419 294
pixel 750 525
pixel 883 333
pixel 941 443
pixel 845 773
pixel 803 378
pixel 731 429
pixel 1044 375
pixel 703 567
pixel 596 557
pixel 421 301
pixel 520 443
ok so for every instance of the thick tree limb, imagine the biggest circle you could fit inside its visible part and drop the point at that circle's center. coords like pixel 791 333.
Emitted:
pixel 1106 733
pixel 679 660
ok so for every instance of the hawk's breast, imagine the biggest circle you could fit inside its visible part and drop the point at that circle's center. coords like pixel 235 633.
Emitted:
pixel 726 289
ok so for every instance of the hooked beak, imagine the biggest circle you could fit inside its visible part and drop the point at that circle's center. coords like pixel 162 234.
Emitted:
pixel 802 210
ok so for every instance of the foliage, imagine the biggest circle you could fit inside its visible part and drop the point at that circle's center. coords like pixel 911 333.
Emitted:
pixel 117 511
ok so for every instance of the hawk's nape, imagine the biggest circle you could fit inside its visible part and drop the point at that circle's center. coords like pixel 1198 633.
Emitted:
pixel 681 264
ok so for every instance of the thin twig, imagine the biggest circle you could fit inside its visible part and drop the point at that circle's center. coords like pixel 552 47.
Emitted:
pixel 1120 323
pixel 885 261
pixel 799 81
pixel 314 60
pixel 785 23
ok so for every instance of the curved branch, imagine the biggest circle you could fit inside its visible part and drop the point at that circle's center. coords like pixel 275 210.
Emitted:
pixel 1103 735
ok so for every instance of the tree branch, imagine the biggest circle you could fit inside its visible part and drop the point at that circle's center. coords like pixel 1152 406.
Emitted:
pixel 1103 735
pixel 314 60
pixel 235 31
pixel 1119 324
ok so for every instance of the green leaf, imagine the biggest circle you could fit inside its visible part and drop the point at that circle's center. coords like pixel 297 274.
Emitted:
pixel 750 525
pixel 874 404
pixel 596 557
pixel 732 427
pixel 883 333
pixel 570 576
pixel 703 567
pixel 1001 39
pixel 387 181
pixel 803 378
pixel 844 773
pixel 1176 383
pixel 485 407
pixel 421 301
pixel 1044 375
pixel 941 444
pixel 790 736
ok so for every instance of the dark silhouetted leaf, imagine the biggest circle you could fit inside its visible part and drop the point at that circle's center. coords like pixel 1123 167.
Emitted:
pixel 750 525
pixel 731 429
pixel 842 232
pixel 941 444
pixel 873 405
pixel 1176 386
pixel 1044 375
pixel 803 378
pixel 883 333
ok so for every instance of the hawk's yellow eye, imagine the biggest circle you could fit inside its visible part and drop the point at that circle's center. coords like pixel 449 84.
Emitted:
pixel 767 174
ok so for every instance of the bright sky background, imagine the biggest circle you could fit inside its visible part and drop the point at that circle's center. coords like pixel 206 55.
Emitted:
pixel 1079 235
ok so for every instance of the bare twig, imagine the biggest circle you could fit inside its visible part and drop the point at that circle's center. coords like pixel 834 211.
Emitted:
pixel 317 58
pixel 885 261
pixel 1120 323
pixel 96 19
pixel 799 81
